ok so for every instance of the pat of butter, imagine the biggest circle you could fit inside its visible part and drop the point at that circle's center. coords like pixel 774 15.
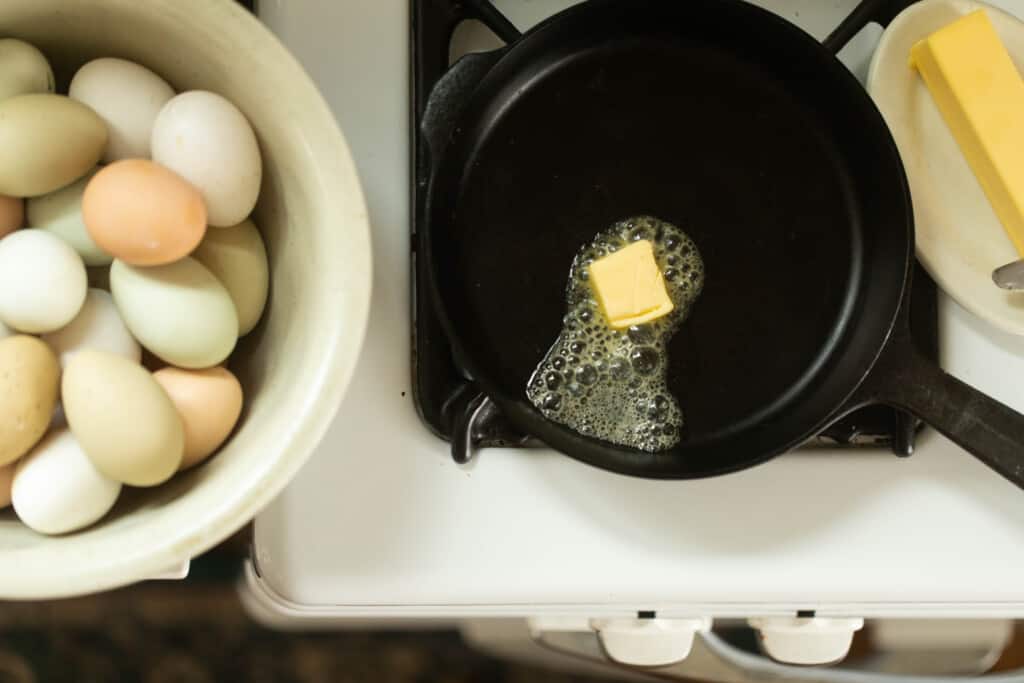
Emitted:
pixel 981 97
pixel 629 286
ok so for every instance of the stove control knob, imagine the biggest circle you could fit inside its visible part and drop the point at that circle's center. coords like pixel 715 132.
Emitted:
pixel 648 642
pixel 806 640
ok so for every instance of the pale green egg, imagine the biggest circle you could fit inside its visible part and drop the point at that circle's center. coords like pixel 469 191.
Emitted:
pixel 179 311
pixel 60 212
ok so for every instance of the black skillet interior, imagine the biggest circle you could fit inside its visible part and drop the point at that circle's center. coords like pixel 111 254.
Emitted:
pixel 725 120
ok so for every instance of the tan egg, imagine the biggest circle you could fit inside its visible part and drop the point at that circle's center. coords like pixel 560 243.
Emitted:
pixel 48 141
pixel 29 379
pixel 23 69
pixel 209 403
pixel 237 257
pixel 12 214
pixel 142 213
pixel 122 418
pixel 6 480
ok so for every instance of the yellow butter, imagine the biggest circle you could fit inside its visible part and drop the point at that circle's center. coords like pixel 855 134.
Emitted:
pixel 981 97
pixel 629 286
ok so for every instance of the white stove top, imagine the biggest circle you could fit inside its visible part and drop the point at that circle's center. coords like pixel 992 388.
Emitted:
pixel 382 522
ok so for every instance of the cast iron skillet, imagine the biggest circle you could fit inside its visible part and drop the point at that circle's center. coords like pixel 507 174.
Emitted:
pixel 734 124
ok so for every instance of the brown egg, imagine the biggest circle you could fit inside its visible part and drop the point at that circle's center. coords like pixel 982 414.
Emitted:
pixel 143 213
pixel 6 480
pixel 29 379
pixel 209 402
pixel 12 214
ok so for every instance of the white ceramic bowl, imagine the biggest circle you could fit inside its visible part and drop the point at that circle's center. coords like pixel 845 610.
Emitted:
pixel 296 365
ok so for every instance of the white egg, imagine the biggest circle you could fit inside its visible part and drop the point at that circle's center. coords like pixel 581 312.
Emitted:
pixel 98 326
pixel 57 489
pixel 42 281
pixel 128 97
pixel 208 141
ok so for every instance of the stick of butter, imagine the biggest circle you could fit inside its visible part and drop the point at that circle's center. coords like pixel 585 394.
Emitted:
pixel 629 286
pixel 981 97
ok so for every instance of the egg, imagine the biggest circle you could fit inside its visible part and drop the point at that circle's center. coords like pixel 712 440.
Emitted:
pixel 57 489
pixel 128 97
pixel 179 311
pixel 42 281
pixel 48 141
pixel 143 213
pixel 60 213
pixel 6 479
pixel 123 419
pixel 98 326
pixel 12 214
pixel 209 403
pixel 209 142
pixel 29 379
pixel 23 69
pixel 236 256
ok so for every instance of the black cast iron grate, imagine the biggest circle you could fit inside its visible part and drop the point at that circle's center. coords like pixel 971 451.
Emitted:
pixel 440 388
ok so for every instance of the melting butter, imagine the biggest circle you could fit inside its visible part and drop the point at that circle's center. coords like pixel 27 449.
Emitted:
pixel 611 384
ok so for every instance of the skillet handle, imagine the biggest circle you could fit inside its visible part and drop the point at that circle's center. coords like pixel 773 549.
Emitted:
pixel 867 11
pixel 448 97
pixel 477 422
pixel 981 425
pixel 440 92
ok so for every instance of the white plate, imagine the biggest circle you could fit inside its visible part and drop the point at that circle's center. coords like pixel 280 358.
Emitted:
pixel 959 239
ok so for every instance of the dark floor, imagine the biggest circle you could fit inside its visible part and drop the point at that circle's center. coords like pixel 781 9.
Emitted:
pixel 197 634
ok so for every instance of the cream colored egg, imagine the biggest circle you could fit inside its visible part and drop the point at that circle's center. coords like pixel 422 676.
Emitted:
pixel 57 489
pixel 23 69
pixel 6 479
pixel 123 419
pixel 128 97
pixel 29 381
pixel 179 311
pixel 209 402
pixel 208 141
pixel 237 257
pixel 60 212
pixel 42 282
pixel 98 326
pixel 12 214
pixel 48 141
